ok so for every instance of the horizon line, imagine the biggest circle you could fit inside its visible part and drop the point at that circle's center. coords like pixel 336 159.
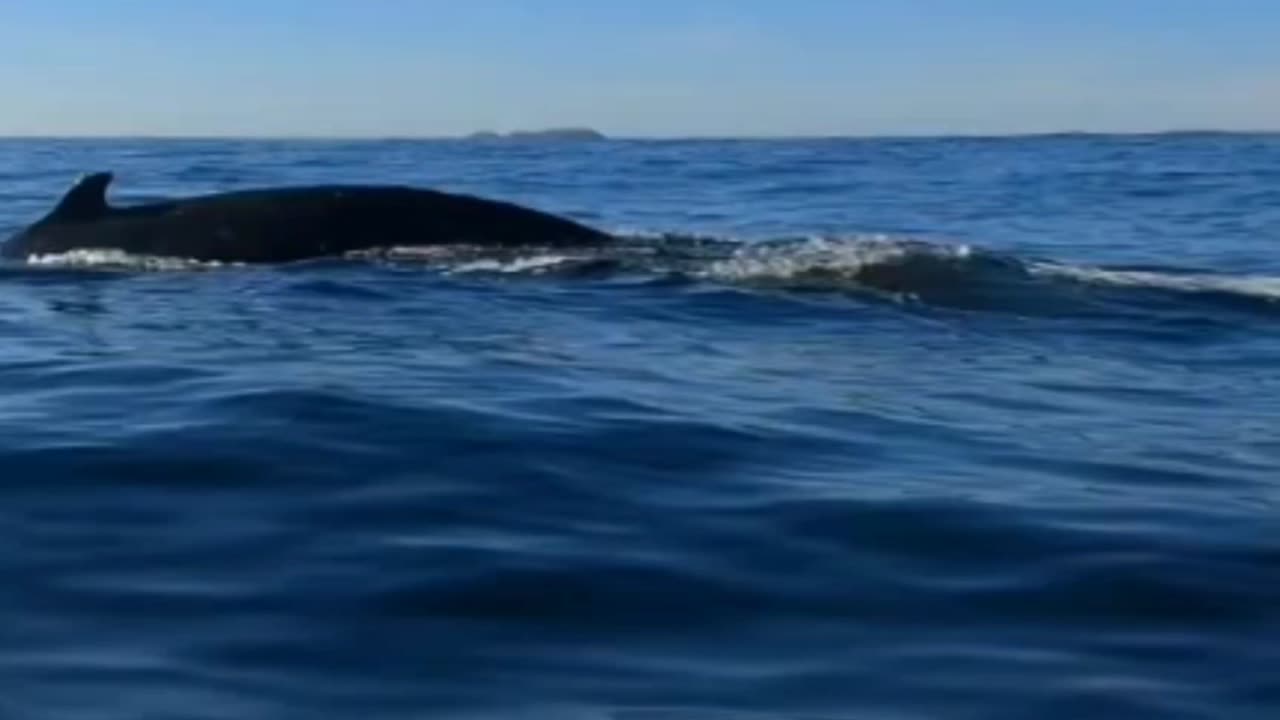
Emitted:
pixel 606 137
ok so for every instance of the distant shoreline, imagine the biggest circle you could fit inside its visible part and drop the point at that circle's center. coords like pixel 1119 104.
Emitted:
pixel 574 134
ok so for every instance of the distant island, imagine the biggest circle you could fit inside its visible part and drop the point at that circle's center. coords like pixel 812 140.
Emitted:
pixel 549 135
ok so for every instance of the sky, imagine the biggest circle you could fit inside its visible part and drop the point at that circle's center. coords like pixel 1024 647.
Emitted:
pixel 657 68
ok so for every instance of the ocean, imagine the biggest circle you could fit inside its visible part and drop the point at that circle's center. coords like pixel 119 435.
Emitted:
pixel 849 428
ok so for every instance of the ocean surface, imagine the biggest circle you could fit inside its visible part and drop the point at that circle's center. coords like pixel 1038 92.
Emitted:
pixel 883 429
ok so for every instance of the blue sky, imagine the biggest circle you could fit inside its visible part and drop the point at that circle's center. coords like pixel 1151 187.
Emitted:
pixel 656 68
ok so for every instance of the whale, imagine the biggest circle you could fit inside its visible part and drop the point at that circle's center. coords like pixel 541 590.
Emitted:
pixel 286 224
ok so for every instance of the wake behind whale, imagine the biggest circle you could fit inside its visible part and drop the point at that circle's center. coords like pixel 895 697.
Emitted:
pixel 462 234
pixel 904 271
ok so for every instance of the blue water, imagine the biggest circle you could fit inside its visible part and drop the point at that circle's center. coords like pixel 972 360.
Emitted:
pixel 927 428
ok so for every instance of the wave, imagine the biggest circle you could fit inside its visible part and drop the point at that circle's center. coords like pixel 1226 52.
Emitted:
pixel 898 269
pixel 901 269
pixel 964 277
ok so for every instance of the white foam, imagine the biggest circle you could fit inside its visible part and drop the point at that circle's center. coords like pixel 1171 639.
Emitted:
pixel 112 258
pixel 828 256
pixel 1259 286
pixel 413 252
pixel 537 263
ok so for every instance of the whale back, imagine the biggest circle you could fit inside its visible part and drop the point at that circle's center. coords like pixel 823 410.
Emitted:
pixel 283 224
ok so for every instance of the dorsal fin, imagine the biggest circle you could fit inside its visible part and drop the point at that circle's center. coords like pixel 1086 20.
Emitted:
pixel 87 199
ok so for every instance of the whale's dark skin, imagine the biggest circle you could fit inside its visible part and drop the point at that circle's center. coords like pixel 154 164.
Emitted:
pixel 277 225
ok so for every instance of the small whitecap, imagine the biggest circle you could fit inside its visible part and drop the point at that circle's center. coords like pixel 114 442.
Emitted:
pixel 1258 286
